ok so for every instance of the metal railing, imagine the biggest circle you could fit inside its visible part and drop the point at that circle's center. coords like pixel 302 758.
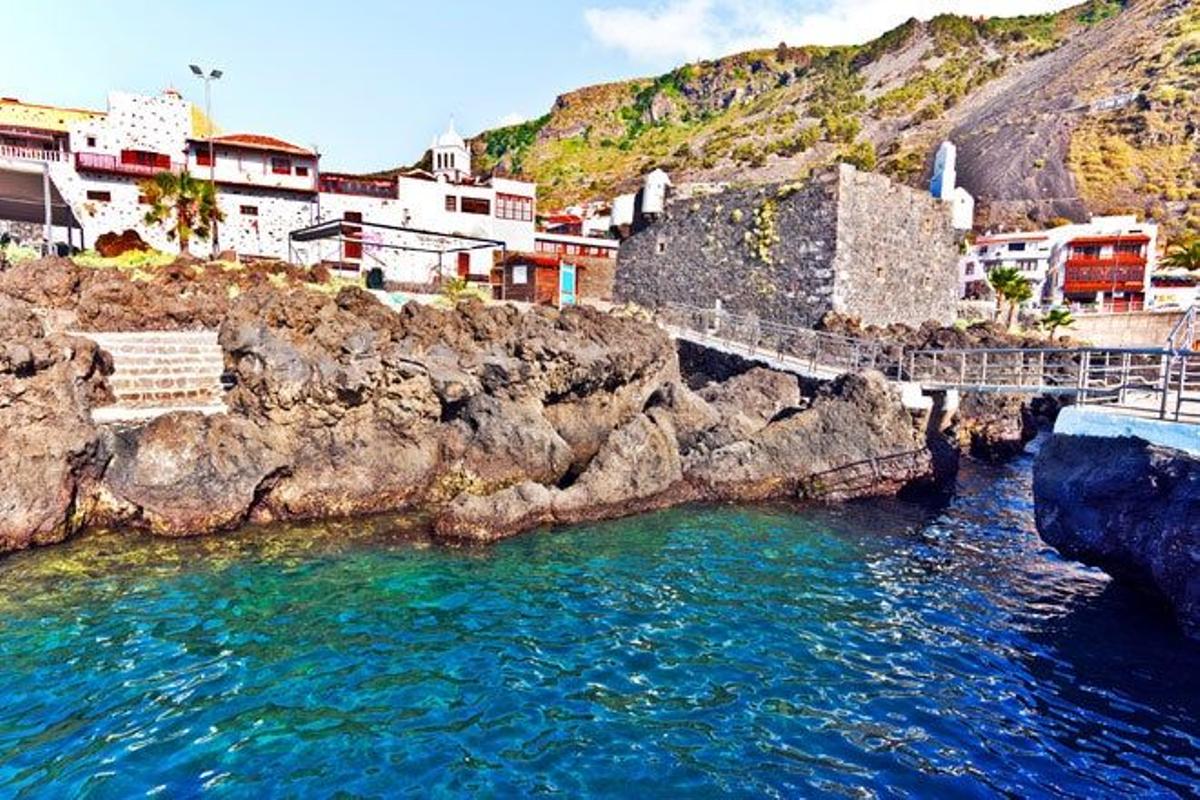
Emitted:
pixel 1183 335
pixel 32 153
pixel 104 162
pixel 811 352
pixel 1156 382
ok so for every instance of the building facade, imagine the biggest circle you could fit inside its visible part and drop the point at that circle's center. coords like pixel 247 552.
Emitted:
pixel 267 188
pixel 1104 264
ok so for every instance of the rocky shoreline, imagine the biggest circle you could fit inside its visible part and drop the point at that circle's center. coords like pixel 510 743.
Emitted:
pixel 488 419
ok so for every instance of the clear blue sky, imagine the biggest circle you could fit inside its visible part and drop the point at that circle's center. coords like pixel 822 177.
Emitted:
pixel 371 82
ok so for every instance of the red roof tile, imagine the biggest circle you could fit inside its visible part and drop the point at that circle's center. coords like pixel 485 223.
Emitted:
pixel 256 141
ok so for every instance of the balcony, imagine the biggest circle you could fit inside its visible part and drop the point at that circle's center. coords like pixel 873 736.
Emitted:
pixel 1079 279
pixel 1109 261
pixel 32 154
pixel 362 187
pixel 113 165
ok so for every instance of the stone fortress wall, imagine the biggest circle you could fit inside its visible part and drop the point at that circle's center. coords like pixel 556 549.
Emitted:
pixel 844 241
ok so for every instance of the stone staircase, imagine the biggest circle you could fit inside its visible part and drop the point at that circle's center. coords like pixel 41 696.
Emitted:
pixel 158 372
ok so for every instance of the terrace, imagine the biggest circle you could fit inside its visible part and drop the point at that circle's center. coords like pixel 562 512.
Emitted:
pixel 126 164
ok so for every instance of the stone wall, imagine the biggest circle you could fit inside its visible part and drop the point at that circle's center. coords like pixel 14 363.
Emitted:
pixel 844 241
pixel 897 255
pixel 708 248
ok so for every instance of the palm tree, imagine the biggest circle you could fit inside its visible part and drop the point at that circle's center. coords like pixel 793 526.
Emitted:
pixel 1057 318
pixel 1184 256
pixel 1011 288
pixel 187 205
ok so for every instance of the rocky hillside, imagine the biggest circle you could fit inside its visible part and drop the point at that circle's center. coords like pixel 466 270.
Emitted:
pixel 1092 109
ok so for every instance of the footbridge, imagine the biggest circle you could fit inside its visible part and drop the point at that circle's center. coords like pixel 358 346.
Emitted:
pixel 1162 383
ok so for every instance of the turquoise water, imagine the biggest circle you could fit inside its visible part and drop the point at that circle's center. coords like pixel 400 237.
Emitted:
pixel 880 649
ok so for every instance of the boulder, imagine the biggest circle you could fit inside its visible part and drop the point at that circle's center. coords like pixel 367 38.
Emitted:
pixel 111 245
pixel 1128 507
pixel 51 453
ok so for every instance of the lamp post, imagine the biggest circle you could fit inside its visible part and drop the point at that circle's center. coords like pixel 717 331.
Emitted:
pixel 212 161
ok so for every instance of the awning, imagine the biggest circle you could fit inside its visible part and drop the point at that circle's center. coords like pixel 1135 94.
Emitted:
pixel 22 200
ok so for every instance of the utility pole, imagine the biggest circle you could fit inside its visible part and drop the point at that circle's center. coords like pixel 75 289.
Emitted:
pixel 212 160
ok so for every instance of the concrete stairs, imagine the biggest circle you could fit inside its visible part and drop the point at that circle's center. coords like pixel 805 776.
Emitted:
pixel 159 372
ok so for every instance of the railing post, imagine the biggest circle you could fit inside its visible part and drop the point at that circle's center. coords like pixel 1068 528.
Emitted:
pixel 1166 384
pixel 1124 388
pixel 983 368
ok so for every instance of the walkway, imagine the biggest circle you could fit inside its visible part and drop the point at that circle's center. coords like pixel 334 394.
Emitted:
pixel 1163 383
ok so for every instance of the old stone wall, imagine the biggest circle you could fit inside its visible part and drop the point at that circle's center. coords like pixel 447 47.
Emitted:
pixel 897 255
pixel 765 250
pixel 843 241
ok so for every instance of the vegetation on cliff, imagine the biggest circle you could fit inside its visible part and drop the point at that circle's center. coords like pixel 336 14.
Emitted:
pixel 1023 97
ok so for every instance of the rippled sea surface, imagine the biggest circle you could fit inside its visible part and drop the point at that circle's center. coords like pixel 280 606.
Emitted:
pixel 879 649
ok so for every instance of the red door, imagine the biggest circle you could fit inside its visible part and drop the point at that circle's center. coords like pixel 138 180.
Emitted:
pixel 352 248
pixel 464 265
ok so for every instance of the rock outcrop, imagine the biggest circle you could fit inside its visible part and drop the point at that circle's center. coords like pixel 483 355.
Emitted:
pixel 1128 507
pixel 489 420
pixel 50 456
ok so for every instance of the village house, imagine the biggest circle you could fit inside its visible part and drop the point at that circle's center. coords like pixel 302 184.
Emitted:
pixel 1105 264
pixel 414 226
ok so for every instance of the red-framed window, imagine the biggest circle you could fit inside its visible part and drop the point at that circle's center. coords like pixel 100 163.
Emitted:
pixel 99 197
pixel 515 207
pixel 451 203
pixel 281 166
pixel 249 211
pixel 464 265
pixel 203 159
pixel 302 172
pixel 145 158
pixel 476 205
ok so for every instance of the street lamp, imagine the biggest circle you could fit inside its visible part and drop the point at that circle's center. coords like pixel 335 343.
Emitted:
pixel 212 161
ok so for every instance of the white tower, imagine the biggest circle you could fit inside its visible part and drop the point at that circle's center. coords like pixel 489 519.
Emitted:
pixel 944 186
pixel 451 158
pixel 945 171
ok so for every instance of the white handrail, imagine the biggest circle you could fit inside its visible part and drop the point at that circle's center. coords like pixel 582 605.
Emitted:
pixel 31 153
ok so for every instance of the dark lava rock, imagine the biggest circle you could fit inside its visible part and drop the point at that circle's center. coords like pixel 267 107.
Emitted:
pixel 1129 508
pixel 50 456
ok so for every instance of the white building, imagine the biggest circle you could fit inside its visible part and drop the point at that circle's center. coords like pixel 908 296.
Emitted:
pixel 1107 261
pixel 266 187
pixel 944 186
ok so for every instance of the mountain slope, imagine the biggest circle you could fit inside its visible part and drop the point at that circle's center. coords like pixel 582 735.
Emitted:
pixel 1015 94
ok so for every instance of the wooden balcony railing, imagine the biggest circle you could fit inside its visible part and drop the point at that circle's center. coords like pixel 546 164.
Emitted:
pixel 336 184
pixel 1113 260
pixel 103 162
pixel 32 153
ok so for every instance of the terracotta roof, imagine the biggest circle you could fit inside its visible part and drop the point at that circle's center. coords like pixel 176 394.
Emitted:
pixel 254 141
pixel 537 259
pixel 1003 238
pixel 1109 238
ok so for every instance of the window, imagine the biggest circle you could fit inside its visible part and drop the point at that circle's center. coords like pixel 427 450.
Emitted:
pixel 476 205
pixel 249 211
pixel 1016 247
pixel 1087 251
pixel 513 206
pixel 143 200
pixel 281 166
pixel 302 172
pixel 144 158
pixel 520 274
pixel 91 141
pixel 1129 249
pixel 451 203
pixel 203 158
pixel 99 197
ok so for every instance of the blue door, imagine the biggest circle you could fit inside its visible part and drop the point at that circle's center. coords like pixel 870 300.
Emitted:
pixel 566 285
